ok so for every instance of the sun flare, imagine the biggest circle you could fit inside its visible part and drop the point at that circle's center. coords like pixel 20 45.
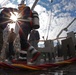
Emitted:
pixel 11 25
pixel 14 16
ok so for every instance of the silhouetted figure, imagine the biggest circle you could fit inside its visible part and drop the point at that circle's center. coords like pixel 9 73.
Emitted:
pixel 11 38
pixel 27 22
pixel 34 38
pixel 4 20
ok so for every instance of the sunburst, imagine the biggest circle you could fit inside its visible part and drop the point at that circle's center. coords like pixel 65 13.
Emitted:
pixel 14 18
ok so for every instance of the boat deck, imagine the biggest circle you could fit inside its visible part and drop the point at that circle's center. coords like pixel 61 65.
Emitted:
pixel 68 70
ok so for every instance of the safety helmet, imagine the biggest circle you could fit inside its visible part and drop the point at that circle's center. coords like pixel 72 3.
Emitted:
pixel 21 6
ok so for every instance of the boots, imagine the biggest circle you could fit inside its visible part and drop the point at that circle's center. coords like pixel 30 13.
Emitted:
pixel 22 59
pixel 34 52
pixel 23 56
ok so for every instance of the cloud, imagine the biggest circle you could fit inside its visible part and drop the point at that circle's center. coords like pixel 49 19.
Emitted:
pixel 43 19
pixel 70 6
pixel 60 23
pixel 54 17
pixel 19 1
pixel 72 27
pixel 4 2
pixel 56 8
pixel 11 5
pixel 43 15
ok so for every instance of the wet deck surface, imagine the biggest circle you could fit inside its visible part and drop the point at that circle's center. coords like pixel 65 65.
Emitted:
pixel 64 70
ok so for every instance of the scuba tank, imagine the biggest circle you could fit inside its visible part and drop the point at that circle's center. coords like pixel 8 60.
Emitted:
pixel 35 20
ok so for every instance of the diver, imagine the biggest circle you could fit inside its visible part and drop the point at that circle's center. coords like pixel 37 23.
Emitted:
pixel 26 25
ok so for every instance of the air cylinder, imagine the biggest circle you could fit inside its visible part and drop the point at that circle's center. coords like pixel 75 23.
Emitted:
pixel 35 20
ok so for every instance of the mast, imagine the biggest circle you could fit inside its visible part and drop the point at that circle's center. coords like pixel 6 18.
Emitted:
pixel 34 4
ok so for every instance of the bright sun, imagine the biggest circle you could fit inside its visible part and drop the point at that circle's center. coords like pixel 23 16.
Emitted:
pixel 14 16
pixel 14 20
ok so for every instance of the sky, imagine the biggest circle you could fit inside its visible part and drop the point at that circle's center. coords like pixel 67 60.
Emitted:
pixel 54 15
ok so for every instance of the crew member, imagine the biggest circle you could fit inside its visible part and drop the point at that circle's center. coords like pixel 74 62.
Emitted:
pixel 26 26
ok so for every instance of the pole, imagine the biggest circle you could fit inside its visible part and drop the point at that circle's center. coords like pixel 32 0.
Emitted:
pixel 34 4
